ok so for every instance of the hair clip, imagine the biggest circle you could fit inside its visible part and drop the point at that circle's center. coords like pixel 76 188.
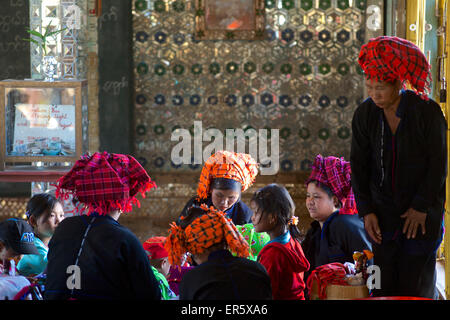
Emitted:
pixel 293 221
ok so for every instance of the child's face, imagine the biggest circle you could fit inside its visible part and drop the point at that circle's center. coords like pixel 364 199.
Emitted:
pixel 261 223
pixel 46 224
pixel 319 203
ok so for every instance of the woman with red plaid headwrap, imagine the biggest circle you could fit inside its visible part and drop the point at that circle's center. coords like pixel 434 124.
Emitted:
pixel 224 176
pixel 211 238
pixel 337 231
pixel 91 256
pixel 399 164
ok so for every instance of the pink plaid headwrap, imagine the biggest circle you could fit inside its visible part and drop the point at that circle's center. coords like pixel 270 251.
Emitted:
pixel 336 174
pixel 105 182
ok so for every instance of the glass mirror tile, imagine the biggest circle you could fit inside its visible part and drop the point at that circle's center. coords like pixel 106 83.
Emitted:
pixel 302 78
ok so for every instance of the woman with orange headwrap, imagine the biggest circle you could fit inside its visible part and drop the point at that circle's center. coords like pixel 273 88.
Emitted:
pixel 224 176
pixel 211 238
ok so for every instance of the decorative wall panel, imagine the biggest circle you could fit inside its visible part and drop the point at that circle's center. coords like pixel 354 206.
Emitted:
pixel 302 79
pixel 70 46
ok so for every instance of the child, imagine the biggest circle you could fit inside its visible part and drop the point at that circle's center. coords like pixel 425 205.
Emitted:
pixel 209 236
pixel 337 231
pixel 255 240
pixel 16 238
pixel 283 258
pixel 159 261
pixel 44 213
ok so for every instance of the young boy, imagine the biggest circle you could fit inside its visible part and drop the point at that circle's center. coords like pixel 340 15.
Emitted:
pixel 159 261
pixel 16 238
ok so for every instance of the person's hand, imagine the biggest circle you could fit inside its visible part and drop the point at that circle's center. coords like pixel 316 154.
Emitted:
pixel 414 219
pixel 372 227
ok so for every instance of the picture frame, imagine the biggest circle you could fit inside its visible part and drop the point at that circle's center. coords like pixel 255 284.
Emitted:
pixel 229 20
pixel 42 121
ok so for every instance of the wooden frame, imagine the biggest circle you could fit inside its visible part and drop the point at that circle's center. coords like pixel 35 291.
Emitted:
pixel 224 26
pixel 78 85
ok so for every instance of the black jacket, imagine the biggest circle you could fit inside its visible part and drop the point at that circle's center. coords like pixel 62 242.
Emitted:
pixel 340 236
pixel 391 173
pixel 113 263
pixel 225 277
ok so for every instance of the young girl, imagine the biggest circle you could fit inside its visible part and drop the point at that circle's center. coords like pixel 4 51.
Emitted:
pixel 282 256
pixel 44 213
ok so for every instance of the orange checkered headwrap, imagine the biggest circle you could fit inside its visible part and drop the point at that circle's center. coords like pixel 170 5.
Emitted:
pixel 388 58
pixel 209 229
pixel 240 167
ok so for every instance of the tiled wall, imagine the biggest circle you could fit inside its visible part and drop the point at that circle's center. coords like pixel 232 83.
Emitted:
pixel 303 79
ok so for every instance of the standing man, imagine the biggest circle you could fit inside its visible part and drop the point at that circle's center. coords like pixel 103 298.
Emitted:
pixel 399 166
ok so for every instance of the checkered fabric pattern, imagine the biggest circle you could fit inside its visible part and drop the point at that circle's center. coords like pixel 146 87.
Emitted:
pixel 211 228
pixel 240 167
pixel 336 174
pixel 387 58
pixel 104 182
pixel 331 273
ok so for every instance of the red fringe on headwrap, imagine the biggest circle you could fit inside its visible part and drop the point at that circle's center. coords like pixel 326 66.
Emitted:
pixel 122 174
pixel 388 58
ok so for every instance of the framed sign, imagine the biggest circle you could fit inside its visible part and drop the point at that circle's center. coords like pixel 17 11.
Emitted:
pixel 42 121
pixel 229 20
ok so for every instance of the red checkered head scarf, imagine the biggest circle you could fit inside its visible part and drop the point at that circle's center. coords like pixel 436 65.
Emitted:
pixel 239 167
pixel 155 248
pixel 388 59
pixel 210 228
pixel 336 174
pixel 104 182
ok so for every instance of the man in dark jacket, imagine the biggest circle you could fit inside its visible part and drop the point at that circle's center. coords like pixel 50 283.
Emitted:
pixel 399 166
pixel 92 256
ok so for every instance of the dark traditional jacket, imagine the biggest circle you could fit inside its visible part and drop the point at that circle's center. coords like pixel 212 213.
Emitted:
pixel 113 263
pixel 340 236
pixel 394 172
pixel 226 277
